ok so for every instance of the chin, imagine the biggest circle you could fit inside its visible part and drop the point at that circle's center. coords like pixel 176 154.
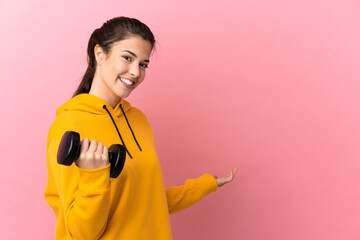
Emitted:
pixel 124 95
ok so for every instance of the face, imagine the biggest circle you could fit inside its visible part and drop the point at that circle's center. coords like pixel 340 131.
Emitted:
pixel 121 70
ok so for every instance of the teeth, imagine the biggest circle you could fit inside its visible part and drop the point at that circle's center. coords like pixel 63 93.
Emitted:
pixel 128 82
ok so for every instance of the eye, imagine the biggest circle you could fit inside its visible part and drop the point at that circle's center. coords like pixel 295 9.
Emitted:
pixel 127 58
pixel 143 65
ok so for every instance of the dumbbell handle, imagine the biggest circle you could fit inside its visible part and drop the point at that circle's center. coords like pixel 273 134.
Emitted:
pixel 69 151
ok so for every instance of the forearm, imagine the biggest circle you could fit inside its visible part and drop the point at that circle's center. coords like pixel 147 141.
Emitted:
pixel 84 196
pixel 181 197
pixel 86 216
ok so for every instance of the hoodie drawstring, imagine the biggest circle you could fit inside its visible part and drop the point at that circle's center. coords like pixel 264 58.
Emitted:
pixel 130 128
pixel 122 141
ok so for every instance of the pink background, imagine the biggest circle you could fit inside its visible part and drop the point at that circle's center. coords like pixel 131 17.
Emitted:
pixel 271 87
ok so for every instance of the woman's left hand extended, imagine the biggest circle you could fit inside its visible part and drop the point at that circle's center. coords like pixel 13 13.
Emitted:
pixel 227 179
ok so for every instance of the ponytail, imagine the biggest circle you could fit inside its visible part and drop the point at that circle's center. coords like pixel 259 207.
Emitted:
pixel 86 81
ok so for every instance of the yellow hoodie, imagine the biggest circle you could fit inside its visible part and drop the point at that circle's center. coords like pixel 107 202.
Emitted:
pixel 88 204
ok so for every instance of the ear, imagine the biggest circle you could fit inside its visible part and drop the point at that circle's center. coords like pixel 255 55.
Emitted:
pixel 100 55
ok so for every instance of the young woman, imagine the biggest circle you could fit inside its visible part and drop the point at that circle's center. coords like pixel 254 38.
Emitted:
pixel 88 204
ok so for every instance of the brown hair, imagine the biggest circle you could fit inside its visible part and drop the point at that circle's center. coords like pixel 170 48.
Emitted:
pixel 111 31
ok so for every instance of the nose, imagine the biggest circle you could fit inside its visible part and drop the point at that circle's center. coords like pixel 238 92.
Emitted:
pixel 135 70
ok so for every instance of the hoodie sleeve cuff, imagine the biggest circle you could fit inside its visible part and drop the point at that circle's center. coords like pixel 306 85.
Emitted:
pixel 94 180
pixel 209 183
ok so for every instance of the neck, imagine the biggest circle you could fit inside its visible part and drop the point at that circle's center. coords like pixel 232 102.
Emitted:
pixel 99 89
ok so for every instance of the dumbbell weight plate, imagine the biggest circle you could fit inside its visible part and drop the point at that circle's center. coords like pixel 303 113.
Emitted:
pixel 117 155
pixel 69 148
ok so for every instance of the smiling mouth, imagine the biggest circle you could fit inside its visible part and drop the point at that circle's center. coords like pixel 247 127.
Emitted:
pixel 126 81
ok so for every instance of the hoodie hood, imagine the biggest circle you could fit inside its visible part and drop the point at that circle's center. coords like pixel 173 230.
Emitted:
pixel 92 104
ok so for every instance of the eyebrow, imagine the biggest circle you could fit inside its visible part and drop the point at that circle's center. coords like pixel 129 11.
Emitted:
pixel 134 55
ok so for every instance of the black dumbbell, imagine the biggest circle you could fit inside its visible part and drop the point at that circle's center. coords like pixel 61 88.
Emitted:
pixel 69 151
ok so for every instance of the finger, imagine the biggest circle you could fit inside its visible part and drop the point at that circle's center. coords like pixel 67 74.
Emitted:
pixel 100 148
pixel 105 151
pixel 84 145
pixel 228 178
pixel 93 146
pixel 231 175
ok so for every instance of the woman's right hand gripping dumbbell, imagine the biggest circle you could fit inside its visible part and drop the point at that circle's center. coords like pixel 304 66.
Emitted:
pixel 93 155
pixel 90 155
